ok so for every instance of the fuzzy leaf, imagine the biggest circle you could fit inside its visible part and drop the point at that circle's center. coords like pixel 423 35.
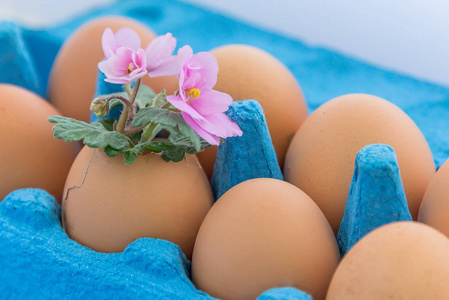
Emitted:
pixel 144 97
pixel 111 152
pixel 156 115
pixel 95 135
pixel 108 123
pixel 130 157
pixel 116 102
pixel 180 141
pixel 135 138
pixel 169 119
pixel 153 146
pixel 175 155
pixel 160 99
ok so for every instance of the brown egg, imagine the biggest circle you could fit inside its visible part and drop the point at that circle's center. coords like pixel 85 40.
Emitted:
pixel 434 210
pixel 321 157
pixel 29 155
pixel 247 72
pixel 108 204
pixel 402 260
pixel 74 72
pixel 261 234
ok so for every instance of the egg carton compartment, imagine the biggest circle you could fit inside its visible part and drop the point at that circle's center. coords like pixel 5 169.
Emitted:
pixel 39 260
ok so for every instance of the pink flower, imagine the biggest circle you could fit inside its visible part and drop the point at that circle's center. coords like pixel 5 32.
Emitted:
pixel 125 60
pixel 125 66
pixel 125 37
pixel 202 107
pixel 160 61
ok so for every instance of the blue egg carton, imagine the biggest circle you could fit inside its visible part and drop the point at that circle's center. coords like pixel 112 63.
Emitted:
pixel 38 260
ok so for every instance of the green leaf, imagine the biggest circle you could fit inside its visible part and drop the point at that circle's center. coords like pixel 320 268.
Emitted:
pixel 160 99
pixel 116 102
pixel 148 115
pixel 182 142
pixel 135 138
pixel 169 119
pixel 144 97
pixel 175 155
pixel 130 157
pixel 153 146
pixel 95 135
pixel 108 123
pixel 111 152
pixel 188 132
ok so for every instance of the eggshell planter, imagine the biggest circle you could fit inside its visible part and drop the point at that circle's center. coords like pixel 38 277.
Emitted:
pixel 37 258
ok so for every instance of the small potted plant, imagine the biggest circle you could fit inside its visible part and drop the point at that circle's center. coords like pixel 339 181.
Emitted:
pixel 138 175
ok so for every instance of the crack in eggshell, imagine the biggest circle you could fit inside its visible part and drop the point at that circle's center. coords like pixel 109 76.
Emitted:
pixel 84 178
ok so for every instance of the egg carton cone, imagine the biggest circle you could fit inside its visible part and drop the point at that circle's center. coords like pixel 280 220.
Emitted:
pixel 249 156
pixel 16 64
pixel 376 196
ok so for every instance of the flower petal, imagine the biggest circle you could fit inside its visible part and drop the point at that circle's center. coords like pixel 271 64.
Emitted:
pixel 159 49
pixel 210 138
pixel 191 81
pixel 172 64
pixel 105 68
pixel 211 102
pixel 219 124
pixel 116 67
pixel 183 106
pixel 126 37
pixel 208 70
pixel 108 42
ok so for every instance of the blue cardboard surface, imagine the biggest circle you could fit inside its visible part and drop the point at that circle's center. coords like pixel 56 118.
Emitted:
pixel 37 258
pixel 376 196
pixel 16 64
pixel 284 294
pixel 246 157
pixel 39 261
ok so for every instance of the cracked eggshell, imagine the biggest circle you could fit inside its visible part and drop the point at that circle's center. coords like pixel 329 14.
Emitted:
pixel 401 260
pixel 73 76
pixel 30 157
pixel 264 233
pixel 107 204
pixel 320 159
pixel 247 72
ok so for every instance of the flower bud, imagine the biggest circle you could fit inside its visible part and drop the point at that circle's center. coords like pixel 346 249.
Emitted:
pixel 100 107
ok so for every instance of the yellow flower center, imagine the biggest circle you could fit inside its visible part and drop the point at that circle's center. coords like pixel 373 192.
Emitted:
pixel 130 69
pixel 195 93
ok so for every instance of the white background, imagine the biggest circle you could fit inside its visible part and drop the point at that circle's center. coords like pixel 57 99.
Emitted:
pixel 408 36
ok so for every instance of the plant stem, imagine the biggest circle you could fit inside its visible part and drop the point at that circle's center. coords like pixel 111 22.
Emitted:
pixel 133 130
pixel 128 88
pixel 152 130
pixel 119 98
pixel 124 116
pixel 166 105
pixel 134 94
